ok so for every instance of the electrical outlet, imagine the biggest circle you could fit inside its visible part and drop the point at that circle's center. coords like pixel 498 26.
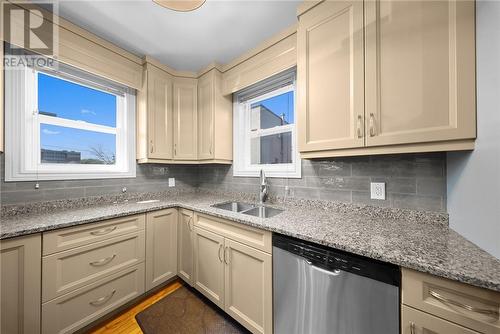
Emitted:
pixel 171 181
pixel 377 190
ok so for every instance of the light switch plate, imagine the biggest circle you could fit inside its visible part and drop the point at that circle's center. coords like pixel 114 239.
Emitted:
pixel 377 190
pixel 171 181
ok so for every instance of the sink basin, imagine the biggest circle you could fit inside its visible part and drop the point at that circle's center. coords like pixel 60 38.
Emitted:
pixel 263 212
pixel 234 206
pixel 148 201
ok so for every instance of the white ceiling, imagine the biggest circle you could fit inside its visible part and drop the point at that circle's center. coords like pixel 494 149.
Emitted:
pixel 219 31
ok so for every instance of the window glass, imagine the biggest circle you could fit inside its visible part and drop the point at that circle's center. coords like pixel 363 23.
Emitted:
pixel 61 98
pixel 272 149
pixel 65 145
pixel 274 111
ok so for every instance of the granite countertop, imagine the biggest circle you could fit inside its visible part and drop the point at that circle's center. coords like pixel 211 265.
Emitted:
pixel 418 241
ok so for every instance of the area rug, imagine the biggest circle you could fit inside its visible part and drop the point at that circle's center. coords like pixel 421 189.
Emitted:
pixel 186 311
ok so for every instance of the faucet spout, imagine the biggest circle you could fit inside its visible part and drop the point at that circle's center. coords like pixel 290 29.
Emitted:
pixel 263 187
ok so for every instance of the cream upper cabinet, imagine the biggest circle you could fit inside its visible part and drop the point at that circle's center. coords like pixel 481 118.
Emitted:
pixel 209 265
pixel 20 285
pixel 420 71
pixel 185 245
pixel 185 119
pixel 330 76
pixel 154 116
pixel 248 286
pixel 161 246
pixel 214 120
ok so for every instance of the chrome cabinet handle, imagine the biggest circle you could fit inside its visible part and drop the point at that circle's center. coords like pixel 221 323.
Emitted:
pixel 227 258
pixel 190 224
pixel 372 125
pixel 412 327
pixel 152 146
pixel 445 300
pixel 103 231
pixel 220 256
pixel 102 300
pixel 102 262
pixel 360 133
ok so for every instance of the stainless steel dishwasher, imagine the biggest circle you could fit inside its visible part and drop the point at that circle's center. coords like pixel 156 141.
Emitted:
pixel 322 290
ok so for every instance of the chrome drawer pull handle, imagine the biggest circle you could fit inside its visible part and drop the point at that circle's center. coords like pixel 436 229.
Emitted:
pixel 412 327
pixel 461 305
pixel 227 258
pixel 103 231
pixel 102 262
pixel 102 300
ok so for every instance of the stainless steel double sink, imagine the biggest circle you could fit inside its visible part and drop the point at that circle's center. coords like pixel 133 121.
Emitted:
pixel 260 211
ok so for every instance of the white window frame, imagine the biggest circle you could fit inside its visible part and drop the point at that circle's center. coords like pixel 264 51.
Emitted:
pixel 242 165
pixel 22 130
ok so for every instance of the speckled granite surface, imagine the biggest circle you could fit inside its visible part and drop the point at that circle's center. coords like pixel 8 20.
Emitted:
pixel 413 240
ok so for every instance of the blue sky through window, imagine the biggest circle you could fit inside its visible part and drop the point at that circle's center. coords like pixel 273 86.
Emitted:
pixel 280 105
pixel 64 99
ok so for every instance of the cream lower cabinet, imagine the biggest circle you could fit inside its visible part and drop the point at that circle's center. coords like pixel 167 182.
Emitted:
pixel 235 276
pixel 161 247
pixel 437 305
pixel 185 235
pixel 386 76
pixel 417 322
pixel 248 286
pixel 20 285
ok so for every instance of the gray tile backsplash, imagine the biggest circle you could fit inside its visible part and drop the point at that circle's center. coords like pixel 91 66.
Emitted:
pixel 416 181
pixel 148 178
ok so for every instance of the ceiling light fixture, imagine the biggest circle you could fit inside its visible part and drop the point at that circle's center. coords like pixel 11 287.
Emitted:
pixel 180 5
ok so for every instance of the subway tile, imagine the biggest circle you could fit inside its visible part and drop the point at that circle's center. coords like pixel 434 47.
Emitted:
pixel 300 192
pixel 431 186
pixel 429 203
pixel 363 197
pixel 12 197
pixel 340 182
pixel 335 195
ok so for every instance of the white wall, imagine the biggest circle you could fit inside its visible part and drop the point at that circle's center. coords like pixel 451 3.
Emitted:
pixel 473 178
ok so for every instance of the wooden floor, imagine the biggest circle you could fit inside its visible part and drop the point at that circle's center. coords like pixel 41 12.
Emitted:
pixel 124 323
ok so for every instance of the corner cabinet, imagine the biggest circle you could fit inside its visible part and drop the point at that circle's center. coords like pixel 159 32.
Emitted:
pixel 215 120
pixel 185 119
pixel 409 87
pixel 185 248
pixel 20 284
pixel 161 247
pixel 154 116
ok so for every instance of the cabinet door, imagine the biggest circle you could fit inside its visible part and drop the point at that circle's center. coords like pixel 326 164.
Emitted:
pixel 206 110
pixel 185 245
pixel 159 114
pixel 185 119
pixel 20 285
pixel 161 246
pixel 248 286
pixel 330 83
pixel 209 265
pixel 417 322
pixel 420 71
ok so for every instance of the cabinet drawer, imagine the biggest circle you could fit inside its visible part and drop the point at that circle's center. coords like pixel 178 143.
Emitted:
pixel 417 322
pixel 71 237
pixel 452 301
pixel 74 310
pixel 250 236
pixel 65 271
